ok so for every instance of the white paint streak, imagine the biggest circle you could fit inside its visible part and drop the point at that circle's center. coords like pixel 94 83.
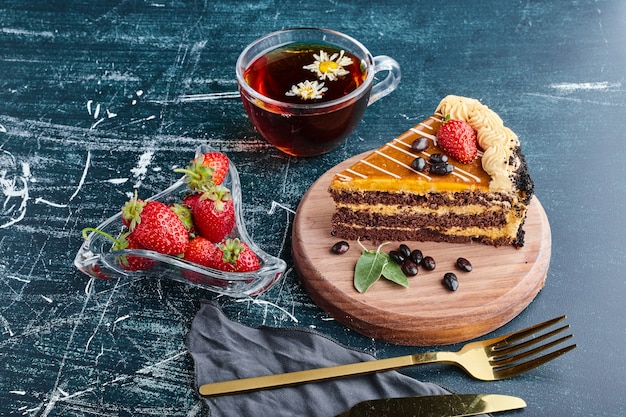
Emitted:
pixel 48 299
pixel 104 310
pixel 98 356
pixel 121 319
pixel 286 179
pixel 5 324
pixel 275 204
pixel 14 187
pixel 95 113
pixel 89 286
pixel 196 410
pixel 43 34
pixel 570 87
pixel 287 222
pixel 573 99
pixel 81 182
pixel 54 397
pixel 26 171
pixel 117 181
pixel 83 176
pixel 141 169
pixel 268 304
pixel 40 200
pixel 149 369
pixel 27 281
pixel 93 126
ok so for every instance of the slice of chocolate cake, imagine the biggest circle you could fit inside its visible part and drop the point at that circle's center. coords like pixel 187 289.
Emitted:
pixel 413 189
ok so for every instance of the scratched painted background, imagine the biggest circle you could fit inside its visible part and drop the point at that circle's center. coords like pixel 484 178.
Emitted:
pixel 85 119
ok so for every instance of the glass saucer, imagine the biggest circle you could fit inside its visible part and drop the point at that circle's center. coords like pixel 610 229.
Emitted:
pixel 96 258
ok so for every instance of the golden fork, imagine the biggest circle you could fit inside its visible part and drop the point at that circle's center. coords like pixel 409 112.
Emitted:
pixel 488 360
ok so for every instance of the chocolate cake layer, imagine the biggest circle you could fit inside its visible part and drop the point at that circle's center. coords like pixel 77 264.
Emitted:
pixel 465 198
pixel 491 219
pixel 381 234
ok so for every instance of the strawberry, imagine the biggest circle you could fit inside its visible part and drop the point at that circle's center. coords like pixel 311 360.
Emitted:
pixel 124 241
pixel 95 271
pixel 132 262
pixel 233 255
pixel 155 226
pixel 131 210
pixel 214 214
pixel 458 139
pixel 191 200
pixel 219 162
pixel 205 171
pixel 200 251
pixel 183 212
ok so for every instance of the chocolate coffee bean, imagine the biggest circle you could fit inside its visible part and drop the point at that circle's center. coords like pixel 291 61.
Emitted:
pixel 438 158
pixel 409 267
pixel 420 144
pixel 416 256
pixel 340 247
pixel 464 264
pixel 428 263
pixel 441 168
pixel 419 164
pixel 397 256
pixel 405 250
pixel 451 281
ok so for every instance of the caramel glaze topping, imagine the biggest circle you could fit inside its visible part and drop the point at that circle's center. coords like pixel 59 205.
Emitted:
pixel 389 167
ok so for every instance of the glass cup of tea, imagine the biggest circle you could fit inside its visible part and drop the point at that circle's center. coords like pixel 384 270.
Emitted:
pixel 305 90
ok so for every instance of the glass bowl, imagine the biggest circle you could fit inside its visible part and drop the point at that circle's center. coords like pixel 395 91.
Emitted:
pixel 97 259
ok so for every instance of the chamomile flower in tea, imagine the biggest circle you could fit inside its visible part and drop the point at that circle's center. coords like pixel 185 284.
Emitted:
pixel 307 90
pixel 280 74
pixel 331 67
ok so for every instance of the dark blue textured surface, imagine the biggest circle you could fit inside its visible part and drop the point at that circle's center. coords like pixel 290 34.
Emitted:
pixel 79 130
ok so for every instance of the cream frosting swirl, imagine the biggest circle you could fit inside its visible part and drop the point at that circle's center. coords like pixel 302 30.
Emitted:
pixel 497 141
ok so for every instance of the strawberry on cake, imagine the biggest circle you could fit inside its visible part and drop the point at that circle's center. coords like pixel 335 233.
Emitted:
pixel 458 176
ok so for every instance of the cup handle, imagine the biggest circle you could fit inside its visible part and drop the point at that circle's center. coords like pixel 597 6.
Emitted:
pixel 391 81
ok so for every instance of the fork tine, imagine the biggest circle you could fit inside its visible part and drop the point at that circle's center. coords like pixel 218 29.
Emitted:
pixel 505 360
pixel 527 366
pixel 521 334
pixel 503 349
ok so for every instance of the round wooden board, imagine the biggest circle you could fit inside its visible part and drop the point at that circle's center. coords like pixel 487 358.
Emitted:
pixel 504 280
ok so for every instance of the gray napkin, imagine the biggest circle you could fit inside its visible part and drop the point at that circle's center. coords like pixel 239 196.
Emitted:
pixel 223 349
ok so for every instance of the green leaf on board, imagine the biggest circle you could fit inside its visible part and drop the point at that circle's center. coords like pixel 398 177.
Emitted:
pixel 393 273
pixel 371 265
pixel 369 268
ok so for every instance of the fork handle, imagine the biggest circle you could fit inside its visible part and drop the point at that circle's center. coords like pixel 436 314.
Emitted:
pixel 239 386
